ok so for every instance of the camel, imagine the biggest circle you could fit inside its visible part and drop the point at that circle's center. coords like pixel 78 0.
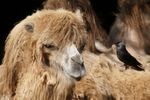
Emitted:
pixel 132 25
pixel 43 58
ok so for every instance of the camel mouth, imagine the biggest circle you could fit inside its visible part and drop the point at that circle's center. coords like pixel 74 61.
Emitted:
pixel 77 78
pixel 79 71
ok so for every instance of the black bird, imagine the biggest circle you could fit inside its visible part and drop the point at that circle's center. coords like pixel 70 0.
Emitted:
pixel 124 56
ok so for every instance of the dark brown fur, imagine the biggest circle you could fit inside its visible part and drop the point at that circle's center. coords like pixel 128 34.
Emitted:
pixel 95 31
pixel 134 16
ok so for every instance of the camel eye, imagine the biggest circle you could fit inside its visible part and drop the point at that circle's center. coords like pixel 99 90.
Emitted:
pixel 81 48
pixel 50 46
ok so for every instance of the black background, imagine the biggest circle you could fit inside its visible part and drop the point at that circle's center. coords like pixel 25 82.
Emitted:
pixel 13 11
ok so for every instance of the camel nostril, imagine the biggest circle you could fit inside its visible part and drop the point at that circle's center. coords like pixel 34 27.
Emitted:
pixel 82 64
pixel 73 59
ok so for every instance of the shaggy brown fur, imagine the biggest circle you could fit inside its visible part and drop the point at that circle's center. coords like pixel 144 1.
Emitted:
pixel 132 25
pixel 107 80
pixel 94 29
pixel 25 73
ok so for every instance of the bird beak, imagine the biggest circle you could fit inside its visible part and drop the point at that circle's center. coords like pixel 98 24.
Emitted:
pixel 117 42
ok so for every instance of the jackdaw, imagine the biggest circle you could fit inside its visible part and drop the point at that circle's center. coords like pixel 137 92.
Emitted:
pixel 124 56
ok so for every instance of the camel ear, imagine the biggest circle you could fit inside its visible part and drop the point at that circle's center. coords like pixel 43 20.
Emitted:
pixel 29 27
pixel 79 14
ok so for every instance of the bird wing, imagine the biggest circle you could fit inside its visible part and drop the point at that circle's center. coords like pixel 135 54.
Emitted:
pixel 129 59
pixel 133 59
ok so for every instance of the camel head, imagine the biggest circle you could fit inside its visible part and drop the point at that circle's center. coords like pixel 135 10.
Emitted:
pixel 49 41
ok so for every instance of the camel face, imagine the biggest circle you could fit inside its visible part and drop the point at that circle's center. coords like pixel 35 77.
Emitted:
pixel 68 58
pixel 61 43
